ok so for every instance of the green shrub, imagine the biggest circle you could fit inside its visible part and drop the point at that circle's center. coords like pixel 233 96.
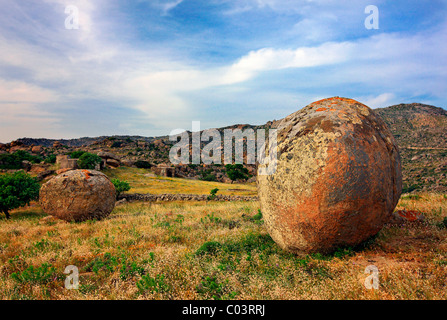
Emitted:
pixel 120 186
pixel 258 216
pixel 51 158
pixel 236 171
pixel 213 194
pixel 110 263
pixel 76 154
pixel 152 284
pixel 88 161
pixel 14 160
pixel 17 190
pixel 210 247
pixel 40 275
pixel 208 177
pixel 143 164
pixel 210 286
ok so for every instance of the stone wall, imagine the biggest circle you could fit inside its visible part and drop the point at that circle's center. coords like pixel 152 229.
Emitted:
pixel 182 197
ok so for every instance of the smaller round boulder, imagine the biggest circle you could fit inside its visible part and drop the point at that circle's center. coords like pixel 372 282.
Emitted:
pixel 78 195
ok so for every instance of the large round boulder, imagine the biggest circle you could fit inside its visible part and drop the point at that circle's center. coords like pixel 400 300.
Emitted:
pixel 337 180
pixel 78 195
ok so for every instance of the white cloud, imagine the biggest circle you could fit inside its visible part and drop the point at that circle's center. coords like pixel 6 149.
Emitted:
pixel 83 64
pixel 380 101
pixel 19 91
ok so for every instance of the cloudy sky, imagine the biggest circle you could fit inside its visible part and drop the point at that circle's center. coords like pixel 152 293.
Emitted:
pixel 146 67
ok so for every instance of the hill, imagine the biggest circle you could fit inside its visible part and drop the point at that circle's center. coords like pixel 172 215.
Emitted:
pixel 420 131
pixel 421 134
pixel 416 125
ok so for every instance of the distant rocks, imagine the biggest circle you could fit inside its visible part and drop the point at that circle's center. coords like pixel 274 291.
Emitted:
pixel 110 159
pixel 78 195
pixel 108 155
pixel 36 149
pixel 337 181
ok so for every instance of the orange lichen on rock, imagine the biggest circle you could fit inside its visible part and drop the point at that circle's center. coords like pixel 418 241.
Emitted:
pixel 337 181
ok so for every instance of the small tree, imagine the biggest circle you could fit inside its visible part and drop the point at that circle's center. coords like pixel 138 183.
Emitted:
pixel 89 161
pixel 120 186
pixel 236 171
pixel 213 194
pixel 17 190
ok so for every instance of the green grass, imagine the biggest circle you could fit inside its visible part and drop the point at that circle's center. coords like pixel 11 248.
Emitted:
pixel 143 181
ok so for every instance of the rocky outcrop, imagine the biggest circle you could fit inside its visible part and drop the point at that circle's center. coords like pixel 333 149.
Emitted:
pixel 337 181
pixel 78 195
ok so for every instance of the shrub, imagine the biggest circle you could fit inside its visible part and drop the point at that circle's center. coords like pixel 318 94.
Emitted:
pixel 258 216
pixel 152 284
pixel 143 164
pixel 76 154
pixel 14 160
pixel 40 275
pixel 208 177
pixel 51 158
pixel 236 171
pixel 17 190
pixel 120 186
pixel 10 161
pixel 89 161
pixel 210 247
pixel 23 155
pixel 213 194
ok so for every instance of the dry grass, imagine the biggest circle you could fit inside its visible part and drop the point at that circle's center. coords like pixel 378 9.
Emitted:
pixel 144 181
pixel 157 251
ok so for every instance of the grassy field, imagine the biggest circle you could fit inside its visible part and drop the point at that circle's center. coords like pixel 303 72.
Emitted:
pixel 143 181
pixel 214 250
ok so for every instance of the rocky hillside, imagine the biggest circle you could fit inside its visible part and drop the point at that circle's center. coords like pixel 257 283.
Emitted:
pixel 79 142
pixel 421 133
pixel 420 130
pixel 416 125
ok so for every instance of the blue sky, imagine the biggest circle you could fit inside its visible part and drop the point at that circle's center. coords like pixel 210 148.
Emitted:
pixel 147 67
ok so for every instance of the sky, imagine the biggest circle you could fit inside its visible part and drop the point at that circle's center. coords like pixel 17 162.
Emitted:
pixel 147 67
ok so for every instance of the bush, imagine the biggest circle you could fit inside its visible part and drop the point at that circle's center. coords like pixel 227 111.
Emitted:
pixel 89 161
pixel 76 154
pixel 236 171
pixel 120 186
pixel 210 247
pixel 152 284
pixel 208 177
pixel 213 194
pixel 40 275
pixel 258 216
pixel 10 161
pixel 143 164
pixel 51 158
pixel 14 160
pixel 17 190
